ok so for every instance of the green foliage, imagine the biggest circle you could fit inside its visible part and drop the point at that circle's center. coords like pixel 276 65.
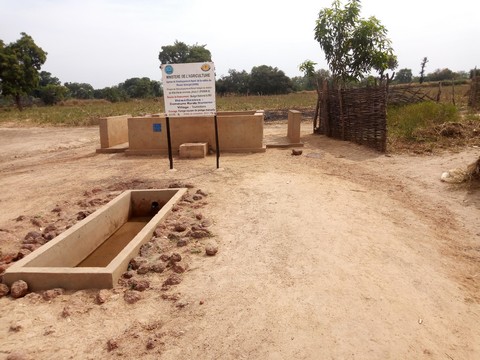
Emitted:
pixel 79 90
pixel 180 52
pixel 312 79
pixel 441 75
pixel 267 80
pixel 353 46
pixel 236 82
pixel 262 80
pixel 405 121
pixel 141 88
pixel 51 94
pixel 50 89
pixel 474 72
pixel 404 76
pixel 20 63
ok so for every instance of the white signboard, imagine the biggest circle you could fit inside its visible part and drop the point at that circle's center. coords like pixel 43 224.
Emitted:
pixel 189 89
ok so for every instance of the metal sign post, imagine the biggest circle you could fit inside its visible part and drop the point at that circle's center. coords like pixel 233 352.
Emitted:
pixel 169 143
pixel 189 90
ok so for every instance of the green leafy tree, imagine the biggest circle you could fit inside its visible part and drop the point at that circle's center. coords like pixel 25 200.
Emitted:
pixel 79 90
pixel 314 78
pixel 141 88
pixel 236 82
pixel 50 89
pixel 353 46
pixel 20 63
pixel 440 75
pixel 46 78
pixel 404 76
pixel 180 52
pixel 267 80
pixel 52 94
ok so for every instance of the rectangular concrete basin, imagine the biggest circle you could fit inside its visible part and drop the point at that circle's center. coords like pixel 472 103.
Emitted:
pixel 96 251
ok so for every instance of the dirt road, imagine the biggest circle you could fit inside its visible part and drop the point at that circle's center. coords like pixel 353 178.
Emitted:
pixel 341 253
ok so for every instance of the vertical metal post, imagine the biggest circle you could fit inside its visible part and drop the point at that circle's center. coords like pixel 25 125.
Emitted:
pixel 216 141
pixel 169 142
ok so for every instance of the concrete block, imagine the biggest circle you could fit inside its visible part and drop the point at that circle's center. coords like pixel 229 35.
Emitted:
pixel 294 121
pixel 193 150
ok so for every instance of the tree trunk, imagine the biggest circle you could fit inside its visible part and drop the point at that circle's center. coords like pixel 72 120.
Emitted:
pixel 18 102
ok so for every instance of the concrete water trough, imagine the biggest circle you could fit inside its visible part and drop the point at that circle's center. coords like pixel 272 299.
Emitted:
pixel 96 251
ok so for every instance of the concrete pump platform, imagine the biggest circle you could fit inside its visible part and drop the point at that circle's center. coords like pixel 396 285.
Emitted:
pixel 96 251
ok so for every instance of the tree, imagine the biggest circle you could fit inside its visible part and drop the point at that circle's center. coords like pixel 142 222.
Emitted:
pixel 20 63
pixel 422 71
pixel 353 46
pixel 267 80
pixel 138 88
pixel 180 52
pixel 46 78
pixel 440 75
pixel 236 82
pixel 50 89
pixel 79 90
pixel 404 76
pixel 314 78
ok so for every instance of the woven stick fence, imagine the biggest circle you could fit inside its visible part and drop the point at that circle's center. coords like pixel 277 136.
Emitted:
pixel 410 94
pixel 358 115
pixel 474 100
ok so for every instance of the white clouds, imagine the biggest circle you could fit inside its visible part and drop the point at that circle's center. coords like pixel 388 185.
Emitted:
pixel 105 42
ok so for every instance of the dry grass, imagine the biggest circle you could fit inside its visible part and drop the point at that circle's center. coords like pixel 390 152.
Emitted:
pixel 87 112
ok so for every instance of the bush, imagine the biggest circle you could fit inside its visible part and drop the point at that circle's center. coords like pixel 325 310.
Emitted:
pixel 405 121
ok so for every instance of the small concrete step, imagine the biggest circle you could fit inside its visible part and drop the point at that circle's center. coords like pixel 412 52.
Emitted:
pixel 193 150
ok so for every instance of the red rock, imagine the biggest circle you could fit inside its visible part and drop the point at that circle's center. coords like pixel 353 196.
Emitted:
pixel 139 285
pixel 18 289
pixel 201 192
pixel 131 296
pixel 178 268
pixel 51 294
pixel 21 254
pixel 211 249
pixel 4 290
pixel 151 344
pixel 180 227
pixel 143 269
pixel 158 267
pixel 136 262
pixel 32 237
pixel 102 296
pixel 199 216
pixel 164 257
pixel 200 234
pixel 36 222
pixel 197 197
pixel 128 274
pixel 172 280
pixel 20 218
pixel 176 257
pixel 31 247
pixel 112 345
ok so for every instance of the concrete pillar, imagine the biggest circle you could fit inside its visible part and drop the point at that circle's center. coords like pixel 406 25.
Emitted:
pixel 294 120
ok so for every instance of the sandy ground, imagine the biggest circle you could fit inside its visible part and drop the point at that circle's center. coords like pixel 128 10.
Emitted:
pixel 340 253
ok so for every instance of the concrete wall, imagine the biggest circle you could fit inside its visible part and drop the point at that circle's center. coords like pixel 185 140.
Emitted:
pixel 237 132
pixel 113 130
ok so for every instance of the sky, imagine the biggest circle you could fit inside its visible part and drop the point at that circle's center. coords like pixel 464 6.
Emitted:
pixel 105 42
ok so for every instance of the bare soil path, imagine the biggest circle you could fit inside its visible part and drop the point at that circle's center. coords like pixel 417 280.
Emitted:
pixel 340 253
